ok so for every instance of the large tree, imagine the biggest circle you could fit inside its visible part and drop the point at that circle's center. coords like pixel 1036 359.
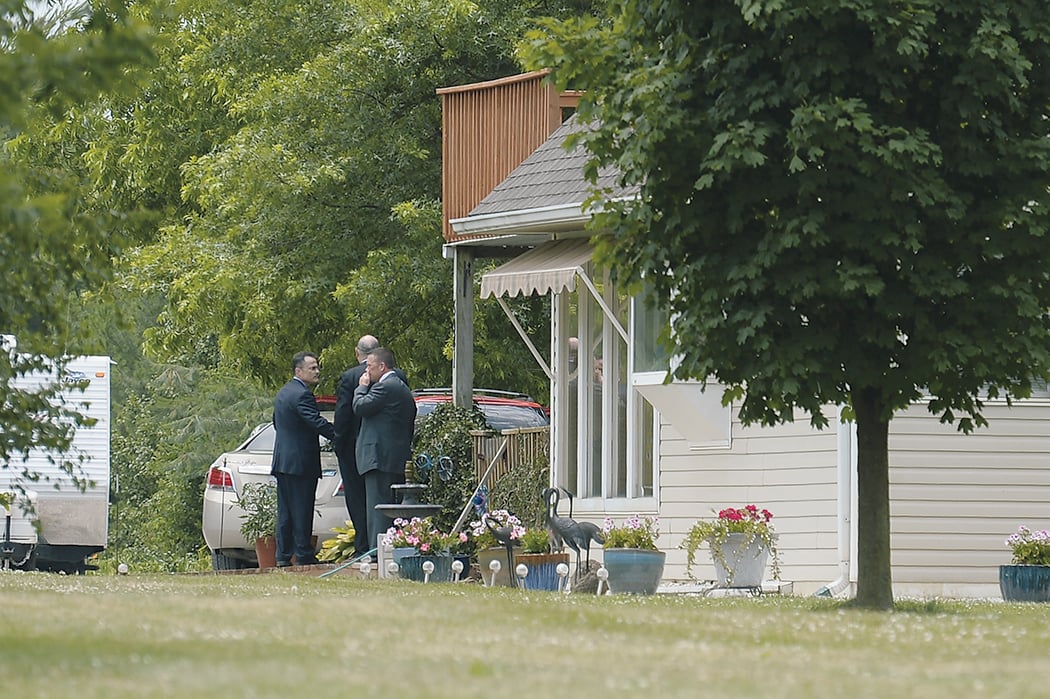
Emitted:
pixel 53 246
pixel 289 154
pixel 842 201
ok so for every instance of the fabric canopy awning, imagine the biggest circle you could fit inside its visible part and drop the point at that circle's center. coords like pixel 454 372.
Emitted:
pixel 549 267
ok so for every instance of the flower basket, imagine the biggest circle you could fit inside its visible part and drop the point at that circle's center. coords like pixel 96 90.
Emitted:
pixel 634 563
pixel 741 541
pixel 739 562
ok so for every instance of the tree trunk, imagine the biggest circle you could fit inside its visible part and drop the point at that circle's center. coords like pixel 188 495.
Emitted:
pixel 874 580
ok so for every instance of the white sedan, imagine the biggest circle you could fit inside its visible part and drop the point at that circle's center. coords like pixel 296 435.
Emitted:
pixel 250 463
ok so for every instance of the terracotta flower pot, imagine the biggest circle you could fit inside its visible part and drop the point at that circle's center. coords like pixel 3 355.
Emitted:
pixel 266 551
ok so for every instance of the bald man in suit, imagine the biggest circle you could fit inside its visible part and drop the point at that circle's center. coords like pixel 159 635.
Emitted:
pixel 384 443
pixel 347 426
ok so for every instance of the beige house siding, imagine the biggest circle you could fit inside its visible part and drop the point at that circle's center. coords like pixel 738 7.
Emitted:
pixel 789 470
pixel 954 498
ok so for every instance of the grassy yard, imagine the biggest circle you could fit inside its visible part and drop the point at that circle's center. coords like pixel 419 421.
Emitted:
pixel 293 636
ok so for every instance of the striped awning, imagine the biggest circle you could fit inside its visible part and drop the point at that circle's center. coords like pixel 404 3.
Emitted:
pixel 551 267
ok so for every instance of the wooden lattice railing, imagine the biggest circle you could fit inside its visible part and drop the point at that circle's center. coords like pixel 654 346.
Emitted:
pixel 524 446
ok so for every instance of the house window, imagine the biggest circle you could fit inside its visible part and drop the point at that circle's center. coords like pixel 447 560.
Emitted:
pixel 606 435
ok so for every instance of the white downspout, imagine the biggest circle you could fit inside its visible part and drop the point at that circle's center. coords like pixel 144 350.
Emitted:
pixel 845 511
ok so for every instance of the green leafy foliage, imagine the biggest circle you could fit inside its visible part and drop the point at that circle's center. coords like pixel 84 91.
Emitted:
pixel 259 502
pixel 636 532
pixel 854 196
pixel 520 490
pixel 53 247
pixel 1030 547
pixel 340 547
pixel 446 432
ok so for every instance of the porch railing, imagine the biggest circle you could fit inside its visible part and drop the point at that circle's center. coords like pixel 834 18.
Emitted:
pixel 524 446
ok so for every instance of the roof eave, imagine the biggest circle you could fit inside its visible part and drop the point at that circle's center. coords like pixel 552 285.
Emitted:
pixel 546 219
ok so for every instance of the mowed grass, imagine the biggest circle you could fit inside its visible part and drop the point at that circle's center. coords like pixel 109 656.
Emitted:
pixel 287 635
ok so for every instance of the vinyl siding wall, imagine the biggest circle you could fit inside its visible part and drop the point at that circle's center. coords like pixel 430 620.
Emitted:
pixel 789 470
pixel 954 497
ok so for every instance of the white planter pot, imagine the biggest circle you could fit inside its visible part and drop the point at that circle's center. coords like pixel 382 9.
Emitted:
pixel 744 564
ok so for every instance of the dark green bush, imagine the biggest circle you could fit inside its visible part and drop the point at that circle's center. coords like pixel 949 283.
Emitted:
pixel 446 432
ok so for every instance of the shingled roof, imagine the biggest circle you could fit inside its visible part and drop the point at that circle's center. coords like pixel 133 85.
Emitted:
pixel 550 177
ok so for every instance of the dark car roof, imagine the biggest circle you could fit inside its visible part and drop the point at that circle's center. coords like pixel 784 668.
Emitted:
pixel 503 410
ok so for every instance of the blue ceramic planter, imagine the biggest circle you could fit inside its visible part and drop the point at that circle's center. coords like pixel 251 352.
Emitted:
pixel 634 571
pixel 1020 583
pixel 543 569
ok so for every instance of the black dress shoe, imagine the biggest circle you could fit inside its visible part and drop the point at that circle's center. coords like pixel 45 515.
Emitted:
pixel 284 564
pixel 309 562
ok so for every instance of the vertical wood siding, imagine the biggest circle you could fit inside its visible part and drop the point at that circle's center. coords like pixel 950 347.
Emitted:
pixel 488 129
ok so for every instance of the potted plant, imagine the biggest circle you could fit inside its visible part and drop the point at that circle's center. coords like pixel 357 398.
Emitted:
pixel 741 540
pixel 1027 578
pixel 259 520
pixel 427 543
pixel 486 546
pixel 542 563
pixel 634 563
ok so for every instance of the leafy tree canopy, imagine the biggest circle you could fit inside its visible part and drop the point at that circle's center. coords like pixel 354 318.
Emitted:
pixel 53 246
pixel 290 154
pixel 854 195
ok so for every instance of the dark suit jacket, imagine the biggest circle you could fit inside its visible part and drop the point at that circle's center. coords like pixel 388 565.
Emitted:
pixel 388 416
pixel 347 422
pixel 296 449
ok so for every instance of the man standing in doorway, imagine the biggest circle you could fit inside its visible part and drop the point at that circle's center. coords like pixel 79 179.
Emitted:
pixel 297 460
pixel 347 426
pixel 384 443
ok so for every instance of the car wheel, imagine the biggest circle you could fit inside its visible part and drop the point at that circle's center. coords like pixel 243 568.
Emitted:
pixel 220 561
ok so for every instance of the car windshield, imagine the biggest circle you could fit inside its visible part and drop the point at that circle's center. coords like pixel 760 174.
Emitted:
pixel 505 417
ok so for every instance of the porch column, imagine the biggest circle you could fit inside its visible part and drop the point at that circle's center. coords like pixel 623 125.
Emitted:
pixel 463 340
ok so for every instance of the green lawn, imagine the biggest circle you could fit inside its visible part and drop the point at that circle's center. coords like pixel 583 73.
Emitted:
pixel 294 636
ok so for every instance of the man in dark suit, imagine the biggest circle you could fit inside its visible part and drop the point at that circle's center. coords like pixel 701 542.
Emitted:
pixel 297 460
pixel 384 443
pixel 347 425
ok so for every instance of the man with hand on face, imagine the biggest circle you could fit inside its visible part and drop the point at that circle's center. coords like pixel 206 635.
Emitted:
pixel 384 442
pixel 347 427
pixel 297 460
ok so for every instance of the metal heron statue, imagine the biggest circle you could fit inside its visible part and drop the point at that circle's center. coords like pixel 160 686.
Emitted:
pixel 576 535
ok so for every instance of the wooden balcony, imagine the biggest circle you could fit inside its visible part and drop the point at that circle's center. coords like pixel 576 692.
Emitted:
pixel 488 129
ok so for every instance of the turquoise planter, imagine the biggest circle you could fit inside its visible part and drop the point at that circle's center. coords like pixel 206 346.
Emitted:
pixel 411 568
pixel 634 571
pixel 1020 583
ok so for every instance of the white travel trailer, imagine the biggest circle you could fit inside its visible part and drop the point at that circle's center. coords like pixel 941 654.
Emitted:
pixel 52 523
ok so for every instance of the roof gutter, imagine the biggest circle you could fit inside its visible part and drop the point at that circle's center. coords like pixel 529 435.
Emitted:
pixel 524 220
